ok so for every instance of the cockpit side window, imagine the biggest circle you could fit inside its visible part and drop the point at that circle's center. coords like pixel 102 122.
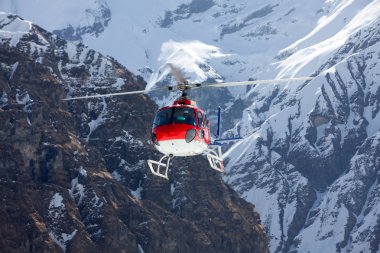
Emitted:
pixel 200 119
pixel 206 123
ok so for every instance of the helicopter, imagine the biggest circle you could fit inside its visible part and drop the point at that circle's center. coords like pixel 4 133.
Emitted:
pixel 183 129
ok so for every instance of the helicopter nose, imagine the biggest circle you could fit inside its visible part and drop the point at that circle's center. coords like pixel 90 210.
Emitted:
pixel 177 132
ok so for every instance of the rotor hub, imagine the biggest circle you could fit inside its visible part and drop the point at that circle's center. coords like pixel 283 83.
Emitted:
pixel 184 86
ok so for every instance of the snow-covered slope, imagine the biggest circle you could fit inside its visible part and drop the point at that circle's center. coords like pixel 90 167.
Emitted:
pixel 252 32
pixel 254 37
pixel 312 161
pixel 310 156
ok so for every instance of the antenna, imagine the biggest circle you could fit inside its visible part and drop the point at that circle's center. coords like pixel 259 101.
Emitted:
pixel 219 121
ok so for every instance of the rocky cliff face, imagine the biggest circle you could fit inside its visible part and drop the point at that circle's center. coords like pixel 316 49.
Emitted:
pixel 73 174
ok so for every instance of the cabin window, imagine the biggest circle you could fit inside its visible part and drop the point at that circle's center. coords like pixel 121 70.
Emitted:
pixel 206 123
pixel 177 115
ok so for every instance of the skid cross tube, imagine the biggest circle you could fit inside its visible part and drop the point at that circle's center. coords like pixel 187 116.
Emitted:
pixel 215 159
pixel 155 167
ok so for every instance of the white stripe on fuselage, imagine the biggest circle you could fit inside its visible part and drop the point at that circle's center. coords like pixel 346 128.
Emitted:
pixel 181 147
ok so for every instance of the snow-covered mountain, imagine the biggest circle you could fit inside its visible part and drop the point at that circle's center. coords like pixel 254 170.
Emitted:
pixel 310 157
pixel 73 175
pixel 313 157
pixel 137 34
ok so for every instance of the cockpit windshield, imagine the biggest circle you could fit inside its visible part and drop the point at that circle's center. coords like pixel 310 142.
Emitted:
pixel 184 116
pixel 176 115
pixel 162 117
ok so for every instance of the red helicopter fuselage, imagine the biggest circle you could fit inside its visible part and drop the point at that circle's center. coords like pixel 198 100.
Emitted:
pixel 181 129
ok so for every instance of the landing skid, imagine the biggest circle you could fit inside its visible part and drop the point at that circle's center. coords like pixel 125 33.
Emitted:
pixel 155 167
pixel 161 168
pixel 214 158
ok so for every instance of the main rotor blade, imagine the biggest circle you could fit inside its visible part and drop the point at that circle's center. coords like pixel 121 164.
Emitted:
pixel 231 84
pixel 116 94
pixel 105 95
pixel 176 73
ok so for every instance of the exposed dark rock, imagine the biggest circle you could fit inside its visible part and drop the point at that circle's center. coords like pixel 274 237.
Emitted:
pixel 184 11
pixel 234 27
pixel 101 15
